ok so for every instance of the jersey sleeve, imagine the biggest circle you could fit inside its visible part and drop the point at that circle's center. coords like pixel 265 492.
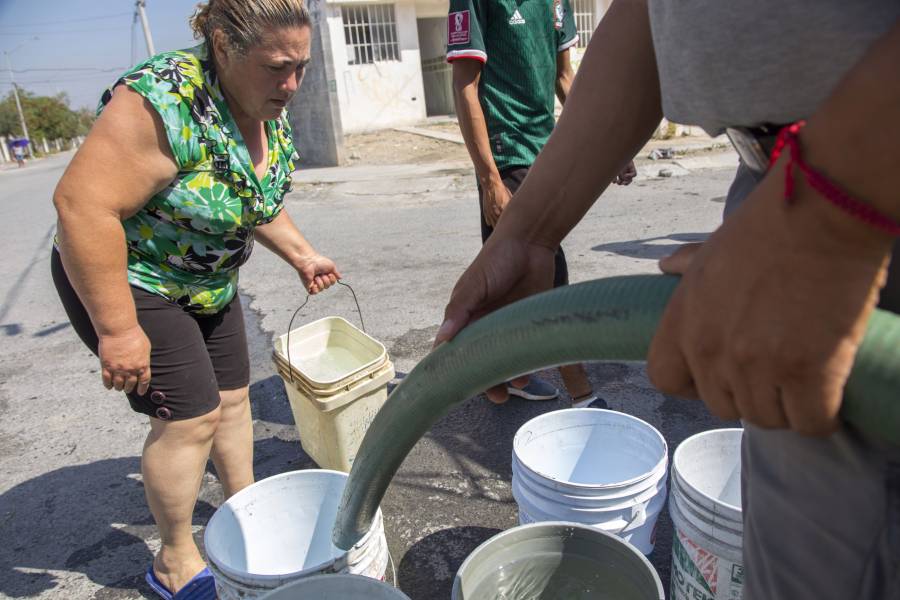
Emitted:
pixel 568 30
pixel 465 30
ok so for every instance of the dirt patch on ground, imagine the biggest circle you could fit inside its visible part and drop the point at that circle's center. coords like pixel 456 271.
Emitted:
pixel 443 127
pixel 389 147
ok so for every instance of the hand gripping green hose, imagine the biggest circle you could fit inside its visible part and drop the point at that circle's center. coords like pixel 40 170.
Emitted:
pixel 606 319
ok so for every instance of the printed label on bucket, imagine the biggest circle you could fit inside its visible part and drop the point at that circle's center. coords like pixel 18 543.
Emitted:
pixel 698 574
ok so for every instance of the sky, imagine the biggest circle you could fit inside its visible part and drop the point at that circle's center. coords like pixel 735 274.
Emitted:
pixel 82 46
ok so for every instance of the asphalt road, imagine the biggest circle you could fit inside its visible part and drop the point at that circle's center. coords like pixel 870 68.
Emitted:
pixel 73 520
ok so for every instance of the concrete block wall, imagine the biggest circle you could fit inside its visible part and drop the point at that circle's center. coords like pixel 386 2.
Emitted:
pixel 314 112
pixel 382 94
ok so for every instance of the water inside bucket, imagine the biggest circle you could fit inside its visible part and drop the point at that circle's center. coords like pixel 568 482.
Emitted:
pixel 333 363
pixel 337 586
pixel 556 561
pixel 551 576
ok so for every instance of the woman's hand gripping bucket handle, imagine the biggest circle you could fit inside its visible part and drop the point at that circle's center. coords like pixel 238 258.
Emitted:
pixel 296 312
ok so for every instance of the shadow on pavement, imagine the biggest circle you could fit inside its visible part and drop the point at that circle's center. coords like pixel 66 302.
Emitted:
pixel 650 247
pixel 94 519
pixel 91 519
pixel 269 401
pixel 274 456
pixel 428 568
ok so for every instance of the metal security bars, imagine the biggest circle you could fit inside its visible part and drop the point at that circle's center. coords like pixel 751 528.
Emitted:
pixel 584 20
pixel 370 32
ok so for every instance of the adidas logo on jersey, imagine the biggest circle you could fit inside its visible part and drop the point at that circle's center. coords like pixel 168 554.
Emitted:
pixel 517 18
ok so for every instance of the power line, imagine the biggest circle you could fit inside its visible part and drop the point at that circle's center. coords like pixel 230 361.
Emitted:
pixel 69 69
pixel 125 14
pixel 65 32
pixel 21 83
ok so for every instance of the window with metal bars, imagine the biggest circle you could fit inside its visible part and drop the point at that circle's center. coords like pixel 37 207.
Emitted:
pixel 584 20
pixel 370 32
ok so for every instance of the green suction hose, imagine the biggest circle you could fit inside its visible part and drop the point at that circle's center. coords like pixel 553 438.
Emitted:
pixel 606 319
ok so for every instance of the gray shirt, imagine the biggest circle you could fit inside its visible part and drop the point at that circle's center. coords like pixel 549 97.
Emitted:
pixel 748 62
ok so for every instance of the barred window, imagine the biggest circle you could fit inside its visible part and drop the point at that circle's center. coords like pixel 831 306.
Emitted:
pixel 584 20
pixel 370 32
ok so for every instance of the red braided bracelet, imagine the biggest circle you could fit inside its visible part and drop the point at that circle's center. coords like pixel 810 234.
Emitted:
pixel 788 138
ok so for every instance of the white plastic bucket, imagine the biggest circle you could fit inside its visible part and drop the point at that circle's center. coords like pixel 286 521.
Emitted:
pixel 278 530
pixel 332 427
pixel 336 378
pixel 705 505
pixel 329 353
pixel 336 587
pixel 556 560
pixel 595 467
pixel 635 523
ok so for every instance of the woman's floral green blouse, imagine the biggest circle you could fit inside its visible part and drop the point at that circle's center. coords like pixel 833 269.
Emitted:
pixel 187 242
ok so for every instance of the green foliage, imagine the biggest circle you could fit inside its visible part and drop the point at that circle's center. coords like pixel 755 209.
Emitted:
pixel 46 116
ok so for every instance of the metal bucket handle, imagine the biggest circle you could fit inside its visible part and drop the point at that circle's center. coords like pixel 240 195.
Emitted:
pixel 291 325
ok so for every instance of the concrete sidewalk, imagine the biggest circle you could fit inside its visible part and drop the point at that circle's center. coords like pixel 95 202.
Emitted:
pixel 696 141
pixel 678 166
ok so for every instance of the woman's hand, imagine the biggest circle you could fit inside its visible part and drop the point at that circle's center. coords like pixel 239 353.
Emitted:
pixel 125 360
pixel 317 272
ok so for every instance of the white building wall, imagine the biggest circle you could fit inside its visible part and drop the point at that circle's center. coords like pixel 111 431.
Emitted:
pixel 382 94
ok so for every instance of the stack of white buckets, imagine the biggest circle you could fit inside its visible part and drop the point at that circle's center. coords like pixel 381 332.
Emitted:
pixel 278 531
pixel 705 505
pixel 336 378
pixel 609 470
pixel 595 467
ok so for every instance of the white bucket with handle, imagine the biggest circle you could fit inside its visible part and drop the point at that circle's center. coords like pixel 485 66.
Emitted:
pixel 337 586
pixel 278 531
pixel 595 467
pixel 336 377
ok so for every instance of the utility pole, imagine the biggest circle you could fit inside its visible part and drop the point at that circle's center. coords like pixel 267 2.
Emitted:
pixel 19 105
pixel 149 38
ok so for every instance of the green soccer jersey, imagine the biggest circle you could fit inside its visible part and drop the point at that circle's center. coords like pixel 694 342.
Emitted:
pixel 518 42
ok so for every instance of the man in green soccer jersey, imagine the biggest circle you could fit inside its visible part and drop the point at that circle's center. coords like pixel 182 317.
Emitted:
pixel 510 58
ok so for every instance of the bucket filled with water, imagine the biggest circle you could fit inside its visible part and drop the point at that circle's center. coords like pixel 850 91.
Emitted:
pixel 336 587
pixel 556 561
pixel 595 467
pixel 278 531
pixel 336 378
pixel 705 506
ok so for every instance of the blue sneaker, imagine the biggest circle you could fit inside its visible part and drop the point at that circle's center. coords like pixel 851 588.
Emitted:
pixel 591 401
pixel 536 389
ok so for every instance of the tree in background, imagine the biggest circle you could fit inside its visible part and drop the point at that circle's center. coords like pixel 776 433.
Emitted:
pixel 47 116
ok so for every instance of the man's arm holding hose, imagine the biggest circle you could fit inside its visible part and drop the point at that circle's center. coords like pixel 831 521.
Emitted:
pixel 771 310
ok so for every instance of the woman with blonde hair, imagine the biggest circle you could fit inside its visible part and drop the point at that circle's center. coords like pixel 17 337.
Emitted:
pixel 187 164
